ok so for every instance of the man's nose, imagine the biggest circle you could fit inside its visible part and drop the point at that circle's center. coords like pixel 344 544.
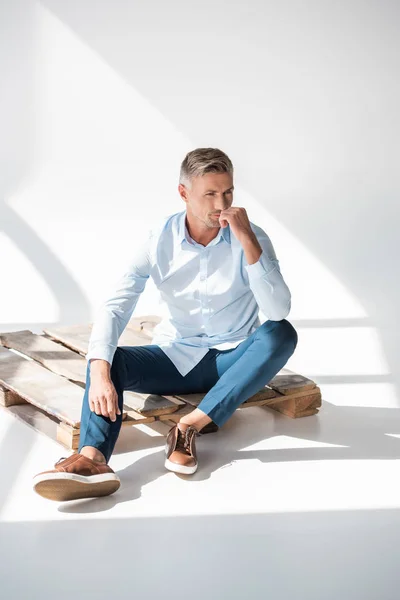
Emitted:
pixel 222 205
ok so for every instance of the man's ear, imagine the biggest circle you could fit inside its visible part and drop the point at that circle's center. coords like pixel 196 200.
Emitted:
pixel 183 192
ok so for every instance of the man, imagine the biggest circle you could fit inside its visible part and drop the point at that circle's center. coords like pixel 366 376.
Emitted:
pixel 214 270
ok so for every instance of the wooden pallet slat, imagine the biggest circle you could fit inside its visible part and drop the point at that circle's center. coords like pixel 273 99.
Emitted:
pixel 68 436
pixel 77 337
pixel 298 406
pixel 266 394
pixel 297 415
pixel 192 399
pixel 271 398
pixel 52 355
pixel 259 398
pixel 50 392
pixel 64 361
pixel 9 398
pixel 287 382
pixel 177 415
pixel 136 418
pixel 151 404
pixel 52 376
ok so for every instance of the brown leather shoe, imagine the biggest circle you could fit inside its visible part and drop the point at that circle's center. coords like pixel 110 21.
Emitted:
pixel 181 450
pixel 76 477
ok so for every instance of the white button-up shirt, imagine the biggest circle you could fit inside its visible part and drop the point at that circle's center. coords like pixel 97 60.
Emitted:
pixel 209 296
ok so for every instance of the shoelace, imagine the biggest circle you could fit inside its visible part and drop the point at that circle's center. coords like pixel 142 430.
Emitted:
pixel 184 439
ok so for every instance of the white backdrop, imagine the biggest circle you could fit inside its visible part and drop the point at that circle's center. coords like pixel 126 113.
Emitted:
pixel 101 101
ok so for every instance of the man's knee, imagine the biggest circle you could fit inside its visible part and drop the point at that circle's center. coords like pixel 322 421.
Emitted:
pixel 283 332
pixel 290 333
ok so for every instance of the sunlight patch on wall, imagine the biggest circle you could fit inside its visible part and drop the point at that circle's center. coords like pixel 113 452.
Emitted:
pixel 316 292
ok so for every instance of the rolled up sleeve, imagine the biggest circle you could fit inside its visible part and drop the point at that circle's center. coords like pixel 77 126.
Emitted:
pixel 266 281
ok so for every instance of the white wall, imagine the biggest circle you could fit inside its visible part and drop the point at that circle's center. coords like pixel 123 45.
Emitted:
pixel 101 101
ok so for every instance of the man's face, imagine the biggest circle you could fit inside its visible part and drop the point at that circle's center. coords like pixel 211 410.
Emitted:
pixel 207 196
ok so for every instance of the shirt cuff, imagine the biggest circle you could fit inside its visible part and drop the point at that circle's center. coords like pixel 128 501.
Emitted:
pixel 103 352
pixel 262 267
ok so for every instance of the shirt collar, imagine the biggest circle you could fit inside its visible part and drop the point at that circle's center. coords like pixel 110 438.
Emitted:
pixel 183 234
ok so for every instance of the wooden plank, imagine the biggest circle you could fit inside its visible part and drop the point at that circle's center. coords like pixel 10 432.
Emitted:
pixel 271 398
pixel 257 399
pixel 68 363
pixel 67 427
pixel 316 390
pixel 133 421
pixel 136 417
pixel 77 337
pixel 294 407
pixel 151 404
pixel 249 403
pixel 50 354
pixel 177 415
pixel 287 382
pixel 10 398
pixel 265 397
pixel 261 397
pixel 193 399
pixel 300 404
pixel 68 436
pixel 274 403
pixel 50 392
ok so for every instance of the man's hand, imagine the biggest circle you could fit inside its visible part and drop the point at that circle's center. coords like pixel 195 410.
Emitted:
pixel 240 226
pixel 103 397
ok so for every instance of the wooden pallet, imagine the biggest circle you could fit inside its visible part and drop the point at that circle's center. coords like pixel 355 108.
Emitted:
pixel 48 371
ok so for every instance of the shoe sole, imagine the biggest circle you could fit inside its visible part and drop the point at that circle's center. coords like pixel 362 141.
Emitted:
pixel 179 468
pixel 67 486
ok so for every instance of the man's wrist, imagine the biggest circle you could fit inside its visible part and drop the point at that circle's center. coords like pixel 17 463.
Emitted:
pixel 100 368
pixel 252 249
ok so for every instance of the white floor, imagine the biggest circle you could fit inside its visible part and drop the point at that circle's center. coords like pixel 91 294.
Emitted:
pixel 280 508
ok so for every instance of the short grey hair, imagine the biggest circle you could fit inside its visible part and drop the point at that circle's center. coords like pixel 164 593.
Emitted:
pixel 202 161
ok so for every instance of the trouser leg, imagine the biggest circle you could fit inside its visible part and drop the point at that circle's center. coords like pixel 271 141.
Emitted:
pixel 144 369
pixel 228 378
pixel 96 430
pixel 244 370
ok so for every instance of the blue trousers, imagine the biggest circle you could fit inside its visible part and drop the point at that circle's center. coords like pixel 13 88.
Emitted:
pixel 229 377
